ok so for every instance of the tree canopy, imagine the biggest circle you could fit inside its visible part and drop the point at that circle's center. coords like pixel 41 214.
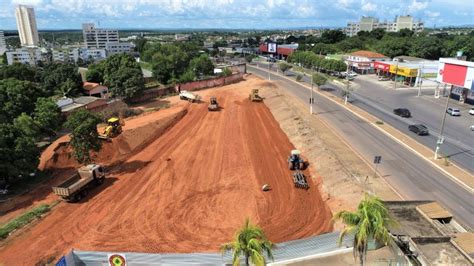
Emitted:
pixel 60 79
pixel 84 136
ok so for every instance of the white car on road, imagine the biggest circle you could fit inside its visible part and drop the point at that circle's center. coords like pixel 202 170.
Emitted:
pixel 453 111
pixel 471 111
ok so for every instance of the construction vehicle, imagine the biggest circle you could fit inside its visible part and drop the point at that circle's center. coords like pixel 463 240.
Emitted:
pixel 113 128
pixel 76 186
pixel 299 179
pixel 213 105
pixel 295 162
pixel 254 97
pixel 189 96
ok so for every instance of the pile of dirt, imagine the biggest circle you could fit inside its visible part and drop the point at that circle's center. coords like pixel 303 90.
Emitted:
pixel 189 190
pixel 135 136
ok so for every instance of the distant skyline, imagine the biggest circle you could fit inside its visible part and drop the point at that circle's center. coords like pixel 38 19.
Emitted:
pixel 231 14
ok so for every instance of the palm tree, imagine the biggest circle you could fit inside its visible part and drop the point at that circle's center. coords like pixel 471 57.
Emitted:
pixel 369 222
pixel 251 242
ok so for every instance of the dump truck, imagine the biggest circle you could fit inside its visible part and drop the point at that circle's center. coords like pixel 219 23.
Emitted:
pixel 254 97
pixel 189 96
pixel 213 105
pixel 113 128
pixel 295 162
pixel 76 186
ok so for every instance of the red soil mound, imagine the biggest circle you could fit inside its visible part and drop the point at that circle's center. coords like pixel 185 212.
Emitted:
pixel 187 191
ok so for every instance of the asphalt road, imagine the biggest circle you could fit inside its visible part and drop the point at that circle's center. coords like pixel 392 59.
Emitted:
pixel 410 175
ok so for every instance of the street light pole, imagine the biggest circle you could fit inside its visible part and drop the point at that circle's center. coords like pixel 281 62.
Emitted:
pixel 420 71
pixel 441 138
pixel 269 66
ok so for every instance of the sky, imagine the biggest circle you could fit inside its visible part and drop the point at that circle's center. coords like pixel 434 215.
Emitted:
pixel 229 14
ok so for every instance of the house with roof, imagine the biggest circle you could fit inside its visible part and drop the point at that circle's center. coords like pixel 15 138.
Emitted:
pixel 91 103
pixel 362 61
pixel 96 89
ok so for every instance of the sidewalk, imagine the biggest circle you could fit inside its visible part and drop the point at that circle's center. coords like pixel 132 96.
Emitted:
pixel 457 174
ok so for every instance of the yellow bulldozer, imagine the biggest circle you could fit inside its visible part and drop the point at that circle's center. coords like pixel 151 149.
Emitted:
pixel 254 97
pixel 113 128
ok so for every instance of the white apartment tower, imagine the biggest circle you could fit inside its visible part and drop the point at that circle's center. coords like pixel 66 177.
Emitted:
pixel 26 23
pixel 98 38
pixel 370 23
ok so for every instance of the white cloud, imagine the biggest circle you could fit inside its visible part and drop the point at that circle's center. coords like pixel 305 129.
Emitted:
pixel 416 6
pixel 432 14
pixel 27 2
pixel 368 7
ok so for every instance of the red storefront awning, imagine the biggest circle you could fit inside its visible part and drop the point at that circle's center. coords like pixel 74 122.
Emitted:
pixel 381 66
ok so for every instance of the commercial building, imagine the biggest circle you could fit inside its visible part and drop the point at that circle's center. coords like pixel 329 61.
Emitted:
pixel 118 47
pixel 26 23
pixel 362 61
pixel 370 24
pixel 30 56
pixel 277 51
pixel 98 38
pixel 73 55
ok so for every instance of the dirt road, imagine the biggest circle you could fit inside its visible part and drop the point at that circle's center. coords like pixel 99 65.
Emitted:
pixel 187 191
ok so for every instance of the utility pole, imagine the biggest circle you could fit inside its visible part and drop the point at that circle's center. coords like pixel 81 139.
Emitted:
pixel 420 78
pixel 441 138
pixel 346 93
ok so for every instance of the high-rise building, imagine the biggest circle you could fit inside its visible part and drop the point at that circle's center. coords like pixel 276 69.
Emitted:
pixel 370 24
pixel 3 45
pixel 98 38
pixel 26 23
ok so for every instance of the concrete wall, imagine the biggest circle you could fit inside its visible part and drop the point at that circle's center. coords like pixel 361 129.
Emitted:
pixel 209 83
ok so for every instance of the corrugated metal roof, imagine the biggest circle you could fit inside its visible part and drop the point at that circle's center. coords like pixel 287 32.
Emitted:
pixel 282 252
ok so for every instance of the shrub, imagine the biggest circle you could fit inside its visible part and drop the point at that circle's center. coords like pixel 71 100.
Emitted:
pixel 299 77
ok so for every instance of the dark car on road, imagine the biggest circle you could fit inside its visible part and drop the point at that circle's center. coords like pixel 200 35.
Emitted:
pixel 403 112
pixel 419 129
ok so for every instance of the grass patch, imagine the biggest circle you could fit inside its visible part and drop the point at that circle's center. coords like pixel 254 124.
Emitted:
pixel 24 219
pixel 25 183
pixel 379 122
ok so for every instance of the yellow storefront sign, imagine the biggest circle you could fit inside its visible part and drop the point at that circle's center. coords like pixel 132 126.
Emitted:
pixel 404 71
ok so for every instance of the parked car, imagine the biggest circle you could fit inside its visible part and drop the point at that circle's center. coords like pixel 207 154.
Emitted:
pixel 403 112
pixel 382 78
pixel 419 129
pixel 271 59
pixel 472 127
pixel 350 74
pixel 471 112
pixel 453 111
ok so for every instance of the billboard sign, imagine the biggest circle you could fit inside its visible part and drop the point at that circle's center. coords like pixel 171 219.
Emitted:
pixel 456 72
pixel 272 47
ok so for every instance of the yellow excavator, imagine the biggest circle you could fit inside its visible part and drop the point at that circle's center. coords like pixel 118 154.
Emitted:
pixel 113 128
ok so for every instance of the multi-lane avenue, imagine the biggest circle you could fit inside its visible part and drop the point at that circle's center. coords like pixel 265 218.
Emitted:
pixel 412 176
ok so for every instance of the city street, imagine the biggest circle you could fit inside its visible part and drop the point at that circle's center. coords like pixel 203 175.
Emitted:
pixel 413 177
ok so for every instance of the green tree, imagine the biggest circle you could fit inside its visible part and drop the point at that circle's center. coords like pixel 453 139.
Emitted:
pixel 188 76
pixel 47 115
pixel 324 48
pixel 140 44
pixel 251 242
pixel 283 67
pixel 319 79
pixel 201 65
pixel 54 76
pixel 18 153
pixel 95 73
pixel 84 136
pixel 392 46
pixel 332 36
pixel 17 97
pixel 18 71
pixel 369 222
pixel 170 62
pixel 429 47
pixel 26 125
